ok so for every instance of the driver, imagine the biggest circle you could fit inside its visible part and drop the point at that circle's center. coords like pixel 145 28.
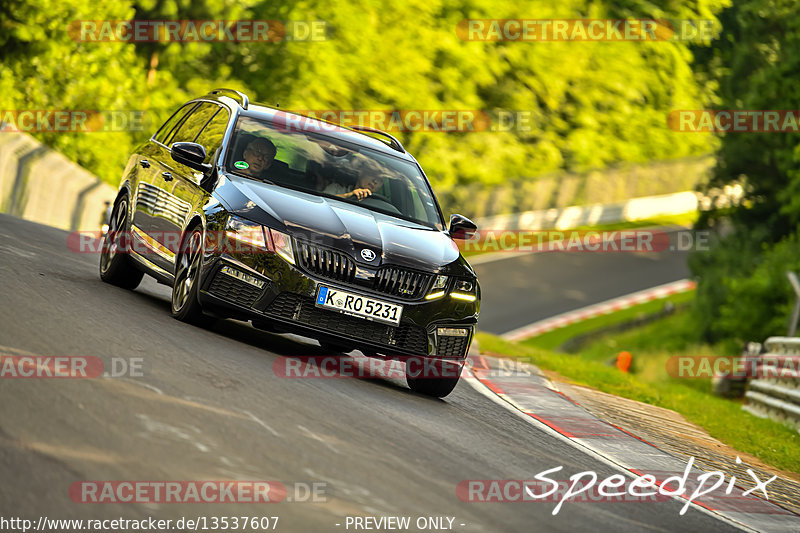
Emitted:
pixel 261 163
pixel 259 155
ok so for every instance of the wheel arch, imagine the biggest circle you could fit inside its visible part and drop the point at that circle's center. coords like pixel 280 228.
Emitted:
pixel 125 192
pixel 194 221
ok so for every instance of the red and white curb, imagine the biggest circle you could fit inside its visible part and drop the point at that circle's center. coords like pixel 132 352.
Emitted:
pixel 603 308
pixel 532 396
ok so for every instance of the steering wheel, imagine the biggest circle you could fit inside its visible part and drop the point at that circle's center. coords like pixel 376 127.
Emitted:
pixel 381 198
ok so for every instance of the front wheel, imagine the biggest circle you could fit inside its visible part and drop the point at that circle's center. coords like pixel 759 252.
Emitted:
pixel 431 377
pixel 185 304
pixel 115 265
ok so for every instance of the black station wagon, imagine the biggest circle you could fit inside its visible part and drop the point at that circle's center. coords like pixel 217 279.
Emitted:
pixel 297 225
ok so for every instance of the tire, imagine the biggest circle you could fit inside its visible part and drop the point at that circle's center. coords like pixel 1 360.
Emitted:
pixel 116 267
pixel 188 262
pixel 434 385
pixel 335 348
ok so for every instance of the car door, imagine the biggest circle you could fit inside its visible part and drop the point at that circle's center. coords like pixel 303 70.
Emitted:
pixel 147 193
pixel 179 184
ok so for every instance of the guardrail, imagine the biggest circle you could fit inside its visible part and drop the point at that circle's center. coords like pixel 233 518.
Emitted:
pixel 633 209
pixel 41 185
pixel 774 391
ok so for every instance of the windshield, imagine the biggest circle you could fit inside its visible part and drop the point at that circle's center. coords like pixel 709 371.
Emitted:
pixel 329 167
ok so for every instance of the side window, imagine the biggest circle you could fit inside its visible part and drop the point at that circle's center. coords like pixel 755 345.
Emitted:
pixel 168 127
pixel 190 128
pixel 211 136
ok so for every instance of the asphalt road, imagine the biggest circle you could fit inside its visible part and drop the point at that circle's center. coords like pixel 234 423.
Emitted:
pixel 209 406
pixel 527 287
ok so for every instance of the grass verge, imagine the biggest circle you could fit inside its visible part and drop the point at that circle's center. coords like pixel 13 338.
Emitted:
pixel 551 340
pixel 775 444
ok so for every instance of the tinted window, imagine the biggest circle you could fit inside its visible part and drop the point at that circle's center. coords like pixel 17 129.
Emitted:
pixel 211 136
pixel 189 130
pixel 333 168
pixel 169 126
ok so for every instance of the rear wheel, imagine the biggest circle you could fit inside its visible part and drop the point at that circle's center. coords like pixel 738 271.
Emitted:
pixel 432 378
pixel 115 265
pixel 185 304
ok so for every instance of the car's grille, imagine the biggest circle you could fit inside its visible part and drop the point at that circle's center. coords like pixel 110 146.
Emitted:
pixel 401 282
pixel 325 263
pixel 233 290
pixel 338 266
pixel 406 337
pixel 452 346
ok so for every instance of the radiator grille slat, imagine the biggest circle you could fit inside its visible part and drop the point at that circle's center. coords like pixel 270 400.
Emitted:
pixel 339 266
pixel 402 282
pixel 328 264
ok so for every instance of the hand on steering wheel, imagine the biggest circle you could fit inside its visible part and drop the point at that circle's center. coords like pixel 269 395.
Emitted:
pixel 360 194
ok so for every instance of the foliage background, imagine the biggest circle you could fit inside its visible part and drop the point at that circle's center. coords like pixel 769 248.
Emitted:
pixel 597 105
pixel 744 294
pixel 594 104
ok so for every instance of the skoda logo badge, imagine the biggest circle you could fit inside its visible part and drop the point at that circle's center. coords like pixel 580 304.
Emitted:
pixel 367 254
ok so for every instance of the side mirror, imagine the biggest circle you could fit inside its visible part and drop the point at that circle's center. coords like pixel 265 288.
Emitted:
pixel 190 154
pixel 461 227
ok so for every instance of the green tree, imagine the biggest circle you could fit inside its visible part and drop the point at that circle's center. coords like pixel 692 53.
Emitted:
pixel 43 68
pixel 743 292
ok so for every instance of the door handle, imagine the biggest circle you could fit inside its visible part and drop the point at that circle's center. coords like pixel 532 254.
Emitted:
pixel 167 176
pixel 145 163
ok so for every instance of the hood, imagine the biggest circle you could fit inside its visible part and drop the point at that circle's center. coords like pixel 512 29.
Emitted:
pixel 340 225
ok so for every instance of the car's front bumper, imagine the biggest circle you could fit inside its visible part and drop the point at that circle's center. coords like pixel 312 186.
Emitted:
pixel 286 298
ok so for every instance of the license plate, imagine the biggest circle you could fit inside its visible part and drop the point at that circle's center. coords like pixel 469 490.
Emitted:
pixel 360 306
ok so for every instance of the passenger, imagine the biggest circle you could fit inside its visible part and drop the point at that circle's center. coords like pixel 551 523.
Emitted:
pixel 371 178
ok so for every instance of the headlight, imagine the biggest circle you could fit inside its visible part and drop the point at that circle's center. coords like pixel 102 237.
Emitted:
pixel 282 245
pixel 240 230
pixel 465 289
pixel 438 288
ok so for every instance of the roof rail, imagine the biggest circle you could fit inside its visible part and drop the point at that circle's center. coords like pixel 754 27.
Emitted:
pixel 239 96
pixel 393 142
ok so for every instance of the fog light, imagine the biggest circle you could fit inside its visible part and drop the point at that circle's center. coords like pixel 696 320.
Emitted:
pixel 434 295
pixel 242 276
pixel 462 296
pixel 452 332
